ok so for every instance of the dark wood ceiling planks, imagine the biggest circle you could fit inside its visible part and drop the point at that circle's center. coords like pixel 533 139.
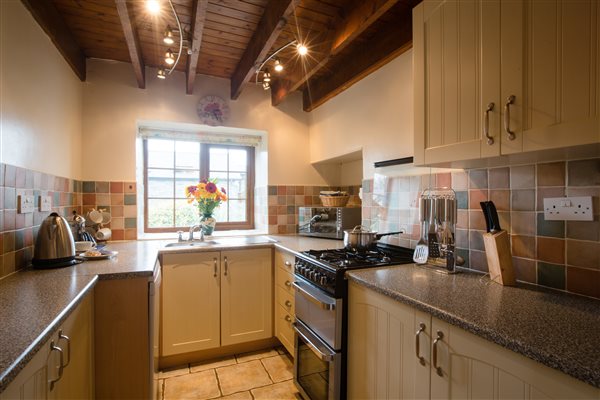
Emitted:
pixel 224 35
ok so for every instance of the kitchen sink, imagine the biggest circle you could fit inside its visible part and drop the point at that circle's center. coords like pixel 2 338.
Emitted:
pixel 227 241
pixel 198 243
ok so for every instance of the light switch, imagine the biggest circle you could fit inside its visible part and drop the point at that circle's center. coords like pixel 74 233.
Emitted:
pixel 45 203
pixel 25 204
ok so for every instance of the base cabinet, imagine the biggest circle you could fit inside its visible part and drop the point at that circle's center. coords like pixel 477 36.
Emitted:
pixel 284 300
pixel 212 299
pixel 397 352
pixel 43 377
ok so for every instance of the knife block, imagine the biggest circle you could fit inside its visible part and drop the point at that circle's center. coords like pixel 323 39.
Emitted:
pixel 499 258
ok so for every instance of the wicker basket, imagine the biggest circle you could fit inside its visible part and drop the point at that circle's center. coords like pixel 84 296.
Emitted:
pixel 334 201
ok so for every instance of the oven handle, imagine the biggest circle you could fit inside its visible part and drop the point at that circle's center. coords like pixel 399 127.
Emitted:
pixel 322 356
pixel 314 297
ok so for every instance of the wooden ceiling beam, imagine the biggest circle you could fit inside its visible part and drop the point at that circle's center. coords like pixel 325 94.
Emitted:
pixel 133 43
pixel 359 16
pixel 366 58
pixel 48 17
pixel 269 28
pixel 199 17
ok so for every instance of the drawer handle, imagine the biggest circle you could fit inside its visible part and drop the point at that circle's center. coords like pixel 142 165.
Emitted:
pixel 226 265
pixel 288 264
pixel 68 340
pixel 417 344
pixel 486 124
pixel 288 283
pixel 509 100
pixel 288 303
pixel 288 318
pixel 440 336
pixel 53 347
pixel 215 267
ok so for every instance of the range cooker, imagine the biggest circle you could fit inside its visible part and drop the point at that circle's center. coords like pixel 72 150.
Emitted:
pixel 321 294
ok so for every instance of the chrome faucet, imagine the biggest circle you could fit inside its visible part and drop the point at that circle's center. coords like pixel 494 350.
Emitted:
pixel 194 228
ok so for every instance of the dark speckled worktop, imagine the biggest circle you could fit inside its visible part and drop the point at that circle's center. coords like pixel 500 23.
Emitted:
pixel 553 328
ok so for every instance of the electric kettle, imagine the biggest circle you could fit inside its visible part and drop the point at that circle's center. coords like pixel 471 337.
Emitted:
pixel 54 246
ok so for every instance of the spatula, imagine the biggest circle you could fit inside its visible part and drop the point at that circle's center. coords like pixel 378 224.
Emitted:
pixel 422 250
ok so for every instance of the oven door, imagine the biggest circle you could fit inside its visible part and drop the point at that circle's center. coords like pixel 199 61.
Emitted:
pixel 317 367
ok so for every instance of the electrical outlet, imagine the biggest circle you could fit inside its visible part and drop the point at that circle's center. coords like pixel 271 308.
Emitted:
pixel 45 203
pixel 25 204
pixel 568 209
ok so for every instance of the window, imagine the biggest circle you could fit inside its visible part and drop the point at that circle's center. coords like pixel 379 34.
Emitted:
pixel 171 165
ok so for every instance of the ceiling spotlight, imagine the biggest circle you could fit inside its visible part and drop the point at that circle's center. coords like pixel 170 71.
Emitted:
pixel 278 65
pixel 162 74
pixel 169 57
pixel 153 6
pixel 266 76
pixel 266 85
pixel 302 49
pixel 168 38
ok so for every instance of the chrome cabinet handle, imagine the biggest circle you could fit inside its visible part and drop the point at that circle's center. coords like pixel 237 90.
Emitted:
pixel 288 303
pixel 440 336
pixel 53 347
pixel 288 283
pixel 486 124
pixel 288 318
pixel 68 339
pixel 226 265
pixel 509 100
pixel 215 267
pixel 417 344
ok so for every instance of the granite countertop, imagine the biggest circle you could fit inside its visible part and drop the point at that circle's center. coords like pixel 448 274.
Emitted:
pixel 553 328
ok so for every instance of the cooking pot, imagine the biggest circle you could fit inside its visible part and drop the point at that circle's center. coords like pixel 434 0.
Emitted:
pixel 360 238
pixel 54 246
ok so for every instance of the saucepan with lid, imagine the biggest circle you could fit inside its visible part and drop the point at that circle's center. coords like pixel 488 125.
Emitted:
pixel 361 238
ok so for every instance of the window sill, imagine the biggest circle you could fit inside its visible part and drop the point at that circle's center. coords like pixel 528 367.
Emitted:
pixel 173 235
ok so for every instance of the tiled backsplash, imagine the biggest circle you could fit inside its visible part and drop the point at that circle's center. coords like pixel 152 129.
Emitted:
pixel 558 254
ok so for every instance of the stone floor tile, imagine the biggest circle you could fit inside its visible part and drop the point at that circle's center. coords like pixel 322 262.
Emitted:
pixel 201 385
pixel 211 364
pixel 175 371
pixel 255 355
pixel 238 396
pixel 281 350
pixel 280 391
pixel 240 377
pixel 280 368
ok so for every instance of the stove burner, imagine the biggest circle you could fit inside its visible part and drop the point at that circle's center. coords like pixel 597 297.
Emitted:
pixel 344 258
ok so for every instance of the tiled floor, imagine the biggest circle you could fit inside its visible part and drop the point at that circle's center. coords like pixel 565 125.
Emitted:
pixel 258 375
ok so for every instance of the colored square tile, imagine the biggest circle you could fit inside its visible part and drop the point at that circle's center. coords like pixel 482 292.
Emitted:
pixel 476 240
pixel 478 179
pixel 583 254
pixel 118 234
pixel 89 187
pixel 551 250
pixel 444 180
pixel 130 223
pixel 103 199
pixel 546 192
pixel 129 187
pixel 462 200
pixel 523 246
pixel 522 177
pixel 583 281
pixel 550 228
pixel 102 187
pixel 272 191
pixel 117 199
pixel 583 230
pixel 523 223
pixel 475 197
pixel 130 199
pixel 525 270
pixel 476 220
pixel 130 211
pixel 10 198
pixel 584 172
pixel 460 181
pixel 501 199
pixel 130 234
pixel 20 174
pixel 551 275
pixel 551 174
pixel 89 199
pixel 478 260
pixel 116 187
pixel 523 200
pixel 499 178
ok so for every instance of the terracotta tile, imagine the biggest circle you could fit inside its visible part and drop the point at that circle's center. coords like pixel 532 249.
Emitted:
pixel 523 223
pixel 501 199
pixel 279 368
pixel 476 220
pixel 281 190
pixel 583 230
pixel 244 376
pixel 523 246
pixel 9 263
pixel 272 219
pixel 281 391
pixel 550 228
pixel 460 181
pixel 463 219
pixel 551 250
pixel 551 275
pixel 129 187
pixel 525 270
pixel 551 174
pixel 299 200
pixel 117 223
pixel 211 364
pixel 118 234
pixel 478 260
pixel 116 187
pixel 291 219
pixel 584 172
pixel 281 229
pixel 116 199
pixel 499 178
pixel 546 192
pixel 201 385
pixel 523 200
pixel 475 197
pixel 89 199
pixel 583 281
pixel 130 234
pixel 444 180
pixel 174 371
pixel 117 211
pixel 478 179
pixel 583 254
pixel 300 190
pixel 522 177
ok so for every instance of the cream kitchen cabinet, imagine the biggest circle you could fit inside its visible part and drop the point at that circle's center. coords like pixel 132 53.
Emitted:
pixel 495 78
pixel 397 352
pixel 50 375
pixel 212 299
pixel 284 299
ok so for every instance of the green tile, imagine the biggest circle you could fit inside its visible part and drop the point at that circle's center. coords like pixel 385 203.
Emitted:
pixel 56 199
pixel 130 200
pixel 462 200
pixel 130 223
pixel 89 187
pixel 551 275
pixel 550 228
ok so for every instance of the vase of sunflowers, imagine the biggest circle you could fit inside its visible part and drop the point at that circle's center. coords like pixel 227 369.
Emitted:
pixel 206 196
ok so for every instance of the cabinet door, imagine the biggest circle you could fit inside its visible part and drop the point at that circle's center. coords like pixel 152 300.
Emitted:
pixel 456 61
pixel 550 56
pixel 381 347
pixel 190 302
pixel 246 295
pixel 471 367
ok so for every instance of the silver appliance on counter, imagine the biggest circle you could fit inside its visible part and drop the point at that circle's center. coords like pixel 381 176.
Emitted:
pixel 54 246
pixel 327 222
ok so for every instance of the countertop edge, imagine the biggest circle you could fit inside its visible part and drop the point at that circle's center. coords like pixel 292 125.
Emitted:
pixel 13 370
pixel 589 376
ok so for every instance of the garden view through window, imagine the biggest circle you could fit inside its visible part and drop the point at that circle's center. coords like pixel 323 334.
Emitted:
pixel 172 165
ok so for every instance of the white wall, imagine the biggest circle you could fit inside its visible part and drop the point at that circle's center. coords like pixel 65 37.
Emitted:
pixel 40 98
pixel 375 115
pixel 112 104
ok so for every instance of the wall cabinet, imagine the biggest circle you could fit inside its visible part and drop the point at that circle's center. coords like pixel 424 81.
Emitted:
pixel 398 352
pixel 495 78
pixel 213 299
pixel 284 299
pixel 44 378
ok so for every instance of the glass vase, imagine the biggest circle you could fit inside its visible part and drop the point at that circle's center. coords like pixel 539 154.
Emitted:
pixel 208 223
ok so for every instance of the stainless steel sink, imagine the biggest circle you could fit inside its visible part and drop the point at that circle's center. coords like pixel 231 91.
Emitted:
pixel 198 243
pixel 226 241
